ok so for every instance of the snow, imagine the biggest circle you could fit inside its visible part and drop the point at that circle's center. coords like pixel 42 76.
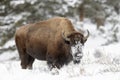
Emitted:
pixel 73 3
pixel 11 70
pixel 9 43
pixel 16 2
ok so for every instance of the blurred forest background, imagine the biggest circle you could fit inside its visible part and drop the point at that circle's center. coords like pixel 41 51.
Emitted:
pixel 15 13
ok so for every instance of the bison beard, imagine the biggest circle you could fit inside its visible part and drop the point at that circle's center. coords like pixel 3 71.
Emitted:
pixel 54 40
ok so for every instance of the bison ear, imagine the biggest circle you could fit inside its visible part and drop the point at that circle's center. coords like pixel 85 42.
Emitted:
pixel 83 41
pixel 67 42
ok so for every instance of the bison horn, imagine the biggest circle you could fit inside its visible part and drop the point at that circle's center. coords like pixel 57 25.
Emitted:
pixel 65 37
pixel 85 37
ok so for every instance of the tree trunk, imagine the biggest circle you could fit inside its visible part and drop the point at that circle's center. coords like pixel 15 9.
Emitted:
pixel 81 11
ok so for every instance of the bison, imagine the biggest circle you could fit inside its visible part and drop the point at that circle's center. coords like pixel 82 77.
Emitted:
pixel 54 40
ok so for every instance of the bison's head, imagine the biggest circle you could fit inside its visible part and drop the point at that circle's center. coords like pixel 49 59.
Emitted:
pixel 76 40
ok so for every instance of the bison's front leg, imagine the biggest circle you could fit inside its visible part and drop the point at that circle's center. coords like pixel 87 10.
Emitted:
pixel 52 63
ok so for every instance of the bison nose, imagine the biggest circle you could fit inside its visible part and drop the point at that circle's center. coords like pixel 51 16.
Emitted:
pixel 78 55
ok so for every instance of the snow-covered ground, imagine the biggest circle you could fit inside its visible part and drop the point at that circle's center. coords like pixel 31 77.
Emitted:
pixel 100 62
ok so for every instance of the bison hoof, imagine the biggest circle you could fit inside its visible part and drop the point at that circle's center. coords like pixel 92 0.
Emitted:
pixel 76 62
pixel 30 68
pixel 54 71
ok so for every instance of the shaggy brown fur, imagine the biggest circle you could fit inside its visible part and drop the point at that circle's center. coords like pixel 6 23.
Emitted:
pixel 44 41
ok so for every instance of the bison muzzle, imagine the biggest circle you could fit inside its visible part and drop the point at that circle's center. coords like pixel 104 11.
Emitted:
pixel 54 40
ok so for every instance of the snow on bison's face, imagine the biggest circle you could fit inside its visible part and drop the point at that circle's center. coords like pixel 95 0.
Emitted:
pixel 77 52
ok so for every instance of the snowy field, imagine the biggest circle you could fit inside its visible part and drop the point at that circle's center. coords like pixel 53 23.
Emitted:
pixel 100 62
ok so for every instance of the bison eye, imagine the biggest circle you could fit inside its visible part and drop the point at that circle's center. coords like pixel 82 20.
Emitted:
pixel 67 42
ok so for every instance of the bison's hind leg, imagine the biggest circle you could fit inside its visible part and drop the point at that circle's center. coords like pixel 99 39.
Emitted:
pixel 30 62
pixel 26 61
